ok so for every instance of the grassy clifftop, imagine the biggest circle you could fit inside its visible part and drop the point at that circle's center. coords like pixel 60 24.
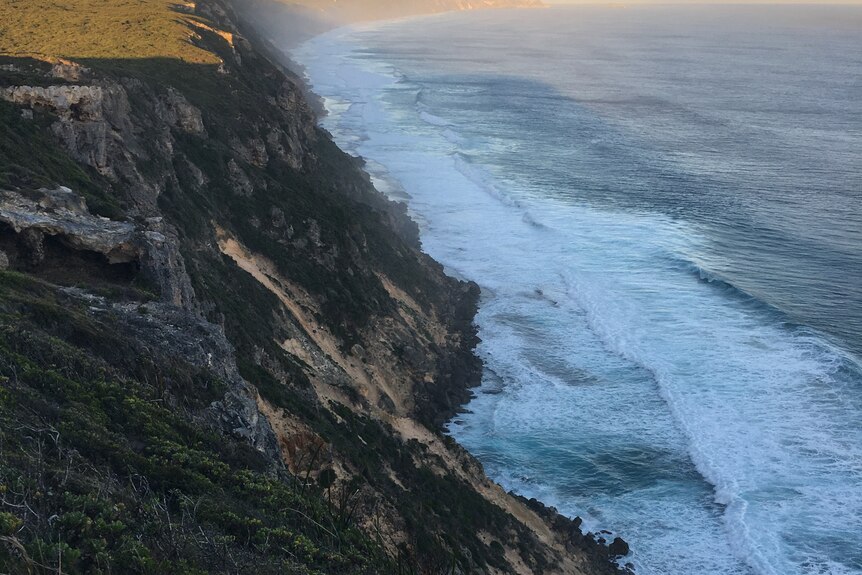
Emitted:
pixel 99 29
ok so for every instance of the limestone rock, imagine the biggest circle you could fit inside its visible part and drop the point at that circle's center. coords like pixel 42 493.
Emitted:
pixel 162 261
pixel 175 332
pixel 94 125
pixel 176 111
pixel 69 71
pixel 79 102
pixel 87 116
pixel 62 213
pixel 253 151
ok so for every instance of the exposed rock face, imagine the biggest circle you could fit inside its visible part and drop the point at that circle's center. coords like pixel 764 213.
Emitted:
pixel 166 326
pixel 239 180
pixel 62 213
pixel 203 344
pixel 82 113
pixel 67 102
pixel 69 71
pixel 94 124
pixel 162 260
pixel 175 110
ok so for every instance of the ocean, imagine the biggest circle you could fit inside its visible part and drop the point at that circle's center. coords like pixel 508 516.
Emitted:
pixel 663 207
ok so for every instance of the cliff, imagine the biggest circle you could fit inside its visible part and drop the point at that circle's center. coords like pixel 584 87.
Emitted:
pixel 221 350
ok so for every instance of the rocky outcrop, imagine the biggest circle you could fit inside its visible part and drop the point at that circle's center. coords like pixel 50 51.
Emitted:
pixel 81 113
pixel 62 213
pixel 165 328
pixel 618 547
pixel 67 102
pixel 173 108
pixel 163 262
pixel 93 122
pixel 165 331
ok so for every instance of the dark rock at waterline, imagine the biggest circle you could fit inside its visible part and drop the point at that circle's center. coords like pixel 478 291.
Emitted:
pixel 577 521
pixel 596 549
pixel 618 547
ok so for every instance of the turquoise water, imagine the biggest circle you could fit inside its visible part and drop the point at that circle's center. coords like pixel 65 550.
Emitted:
pixel 663 207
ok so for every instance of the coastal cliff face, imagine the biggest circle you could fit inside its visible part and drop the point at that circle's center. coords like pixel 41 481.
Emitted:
pixel 221 350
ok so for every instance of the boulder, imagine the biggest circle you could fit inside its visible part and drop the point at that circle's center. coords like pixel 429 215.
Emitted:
pixel 618 548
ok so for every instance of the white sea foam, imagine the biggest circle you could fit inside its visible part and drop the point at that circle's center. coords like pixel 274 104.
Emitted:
pixel 664 404
pixel 434 120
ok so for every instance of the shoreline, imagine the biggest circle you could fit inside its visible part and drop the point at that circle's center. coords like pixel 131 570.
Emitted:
pixel 604 557
pixel 359 129
pixel 596 545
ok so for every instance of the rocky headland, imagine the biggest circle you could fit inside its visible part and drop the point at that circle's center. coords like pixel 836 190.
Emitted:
pixel 221 349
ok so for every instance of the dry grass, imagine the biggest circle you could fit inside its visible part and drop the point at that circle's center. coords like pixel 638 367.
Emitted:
pixel 96 29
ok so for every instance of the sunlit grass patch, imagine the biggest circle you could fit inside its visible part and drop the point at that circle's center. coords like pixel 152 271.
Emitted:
pixel 100 29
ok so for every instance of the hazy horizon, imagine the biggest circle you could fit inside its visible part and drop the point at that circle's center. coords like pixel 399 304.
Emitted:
pixel 706 2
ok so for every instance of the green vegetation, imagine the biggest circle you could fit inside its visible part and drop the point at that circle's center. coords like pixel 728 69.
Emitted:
pixel 29 158
pixel 103 471
pixel 102 468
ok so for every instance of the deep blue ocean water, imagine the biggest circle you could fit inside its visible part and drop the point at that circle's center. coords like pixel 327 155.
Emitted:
pixel 663 206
